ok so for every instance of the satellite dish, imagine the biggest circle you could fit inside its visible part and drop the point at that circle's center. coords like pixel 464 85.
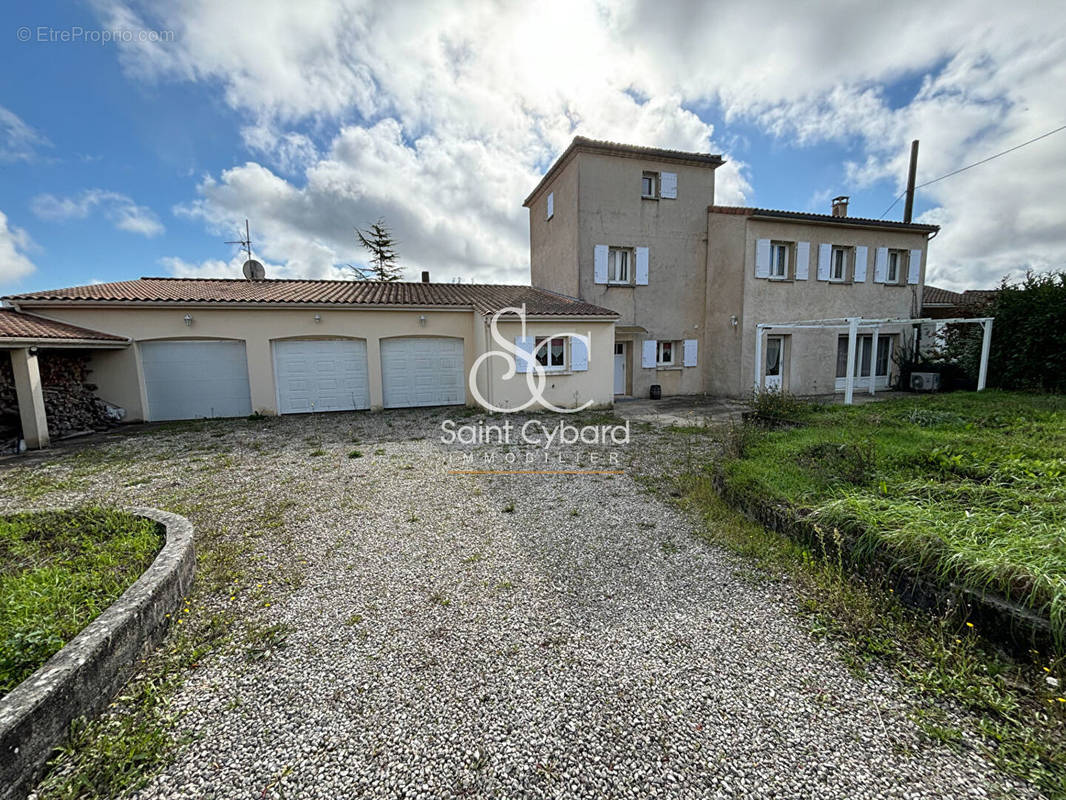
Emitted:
pixel 253 270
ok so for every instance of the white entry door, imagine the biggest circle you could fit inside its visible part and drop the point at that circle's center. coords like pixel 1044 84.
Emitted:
pixel 321 375
pixel 774 354
pixel 619 368
pixel 423 371
pixel 190 379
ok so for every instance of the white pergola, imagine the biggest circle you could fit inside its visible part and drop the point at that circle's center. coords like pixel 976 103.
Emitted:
pixel 855 325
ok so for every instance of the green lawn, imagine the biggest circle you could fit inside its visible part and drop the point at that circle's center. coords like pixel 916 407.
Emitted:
pixel 966 487
pixel 58 571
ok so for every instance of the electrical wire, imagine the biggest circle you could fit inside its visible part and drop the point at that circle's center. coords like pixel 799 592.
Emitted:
pixel 971 166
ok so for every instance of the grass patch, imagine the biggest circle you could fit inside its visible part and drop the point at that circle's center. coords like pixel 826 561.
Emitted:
pixel 1010 709
pixel 968 488
pixel 58 571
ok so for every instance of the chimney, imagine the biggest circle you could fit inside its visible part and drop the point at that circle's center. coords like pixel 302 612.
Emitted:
pixel 425 276
pixel 840 206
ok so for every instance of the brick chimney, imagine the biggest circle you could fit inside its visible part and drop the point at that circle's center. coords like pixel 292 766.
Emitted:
pixel 840 206
pixel 425 276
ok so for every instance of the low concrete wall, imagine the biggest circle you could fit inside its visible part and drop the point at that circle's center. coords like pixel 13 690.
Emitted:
pixel 1017 628
pixel 81 679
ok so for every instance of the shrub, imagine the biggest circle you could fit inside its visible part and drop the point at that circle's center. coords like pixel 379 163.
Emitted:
pixel 775 405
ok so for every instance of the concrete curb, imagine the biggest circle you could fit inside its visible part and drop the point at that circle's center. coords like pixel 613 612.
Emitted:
pixel 81 679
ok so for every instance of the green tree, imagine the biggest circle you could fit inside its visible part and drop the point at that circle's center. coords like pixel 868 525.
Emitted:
pixel 1026 351
pixel 378 241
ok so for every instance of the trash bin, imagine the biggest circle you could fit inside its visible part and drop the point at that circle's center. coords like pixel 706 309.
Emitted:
pixel 656 391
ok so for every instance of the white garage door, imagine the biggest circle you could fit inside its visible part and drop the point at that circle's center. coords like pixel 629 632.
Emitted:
pixel 321 375
pixel 192 379
pixel 426 371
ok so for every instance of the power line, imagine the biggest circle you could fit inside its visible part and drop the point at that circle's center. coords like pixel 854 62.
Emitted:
pixel 971 166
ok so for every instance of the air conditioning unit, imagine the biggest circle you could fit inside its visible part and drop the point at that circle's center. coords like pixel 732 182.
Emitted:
pixel 925 381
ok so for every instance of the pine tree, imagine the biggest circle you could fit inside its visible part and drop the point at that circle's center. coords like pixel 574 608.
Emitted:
pixel 378 241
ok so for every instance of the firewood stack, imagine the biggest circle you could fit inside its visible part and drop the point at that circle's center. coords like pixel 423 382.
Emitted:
pixel 69 401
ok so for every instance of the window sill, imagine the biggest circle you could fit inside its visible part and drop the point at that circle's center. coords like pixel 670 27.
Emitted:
pixel 622 284
pixel 648 197
pixel 668 367
pixel 779 280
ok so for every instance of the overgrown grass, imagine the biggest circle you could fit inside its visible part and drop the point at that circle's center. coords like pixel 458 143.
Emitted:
pixel 1013 714
pixel 969 488
pixel 58 571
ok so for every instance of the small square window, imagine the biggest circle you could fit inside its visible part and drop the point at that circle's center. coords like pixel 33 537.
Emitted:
pixel 666 353
pixel 779 260
pixel 649 185
pixel 618 265
pixel 551 353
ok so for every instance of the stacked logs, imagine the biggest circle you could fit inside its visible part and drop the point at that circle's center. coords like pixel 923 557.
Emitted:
pixel 69 402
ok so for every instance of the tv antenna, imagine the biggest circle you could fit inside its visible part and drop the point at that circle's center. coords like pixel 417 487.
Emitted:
pixel 253 270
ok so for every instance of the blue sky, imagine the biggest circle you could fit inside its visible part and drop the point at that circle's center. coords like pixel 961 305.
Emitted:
pixel 128 158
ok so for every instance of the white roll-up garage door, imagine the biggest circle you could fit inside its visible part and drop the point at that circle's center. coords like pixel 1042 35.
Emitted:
pixel 189 379
pixel 423 371
pixel 321 375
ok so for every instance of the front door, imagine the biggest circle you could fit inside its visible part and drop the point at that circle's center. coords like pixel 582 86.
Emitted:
pixel 774 351
pixel 619 368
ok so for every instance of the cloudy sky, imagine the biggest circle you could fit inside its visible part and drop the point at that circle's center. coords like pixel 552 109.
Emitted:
pixel 141 156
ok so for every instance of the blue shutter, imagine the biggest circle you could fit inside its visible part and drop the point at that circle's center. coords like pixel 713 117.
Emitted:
pixel 579 354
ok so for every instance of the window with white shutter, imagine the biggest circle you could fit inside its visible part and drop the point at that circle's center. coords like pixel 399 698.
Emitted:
pixel 914 268
pixel 668 185
pixel 648 352
pixel 860 264
pixel 762 258
pixel 599 271
pixel 803 260
pixel 691 347
pixel 642 266
pixel 551 205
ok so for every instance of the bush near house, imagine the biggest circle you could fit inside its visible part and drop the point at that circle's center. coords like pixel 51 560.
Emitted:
pixel 58 571
pixel 968 487
pixel 1026 351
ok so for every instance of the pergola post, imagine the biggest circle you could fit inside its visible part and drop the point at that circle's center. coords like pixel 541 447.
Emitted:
pixel 873 361
pixel 849 381
pixel 30 398
pixel 758 358
pixel 986 343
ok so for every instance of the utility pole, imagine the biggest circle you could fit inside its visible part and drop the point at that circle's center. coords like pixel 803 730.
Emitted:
pixel 908 209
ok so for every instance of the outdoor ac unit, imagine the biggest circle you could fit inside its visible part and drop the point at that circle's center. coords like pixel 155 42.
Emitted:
pixel 925 381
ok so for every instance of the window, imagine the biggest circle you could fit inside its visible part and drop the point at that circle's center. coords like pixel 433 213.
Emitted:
pixel 551 205
pixel 895 266
pixel 838 264
pixel 665 354
pixel 863 345
pixel 619 349
pixel 551 354
pixel 774 345
pixel 779 259
pixel 618 261
pixel 649 185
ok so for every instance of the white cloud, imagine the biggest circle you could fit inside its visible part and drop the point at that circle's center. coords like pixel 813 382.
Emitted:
pixel 18 141
pixel 123 213
pixel 14 242
pixel 462 106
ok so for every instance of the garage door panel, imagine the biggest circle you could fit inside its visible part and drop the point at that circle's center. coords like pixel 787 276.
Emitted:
pixel 194 378
pixel 423 371
pixel 321 375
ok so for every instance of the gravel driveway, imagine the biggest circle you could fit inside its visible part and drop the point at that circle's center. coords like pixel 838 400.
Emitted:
pixel 430 635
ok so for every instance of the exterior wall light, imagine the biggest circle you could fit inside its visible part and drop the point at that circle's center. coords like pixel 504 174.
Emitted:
pixel 318 318
pixel 188 320
pixel 734 321
pixel 422 320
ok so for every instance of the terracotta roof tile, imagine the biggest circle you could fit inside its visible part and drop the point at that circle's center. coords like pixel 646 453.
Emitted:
pixel 803 216
pixel 935 296
pixel 483 297
pixel 16 325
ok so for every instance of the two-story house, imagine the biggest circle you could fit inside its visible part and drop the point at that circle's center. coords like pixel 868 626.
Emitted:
pixel 636 230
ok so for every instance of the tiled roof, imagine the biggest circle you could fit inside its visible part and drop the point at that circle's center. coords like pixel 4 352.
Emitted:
pixel 483 297
pixel 803 216
pixel 935 296
pixel 16 325
pixel 585 145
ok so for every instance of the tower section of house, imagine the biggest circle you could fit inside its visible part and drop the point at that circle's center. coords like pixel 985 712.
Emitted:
pixel 625 227
pixel 766 266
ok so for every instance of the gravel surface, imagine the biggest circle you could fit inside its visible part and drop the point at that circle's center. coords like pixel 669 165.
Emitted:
pixel 420 634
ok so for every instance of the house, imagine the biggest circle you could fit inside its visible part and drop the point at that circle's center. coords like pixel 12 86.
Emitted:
pixel 174 348
pixel 636 230
pixel 940 303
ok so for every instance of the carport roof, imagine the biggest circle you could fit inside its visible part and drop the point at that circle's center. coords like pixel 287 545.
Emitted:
pixel 26 329
pixel 486 298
